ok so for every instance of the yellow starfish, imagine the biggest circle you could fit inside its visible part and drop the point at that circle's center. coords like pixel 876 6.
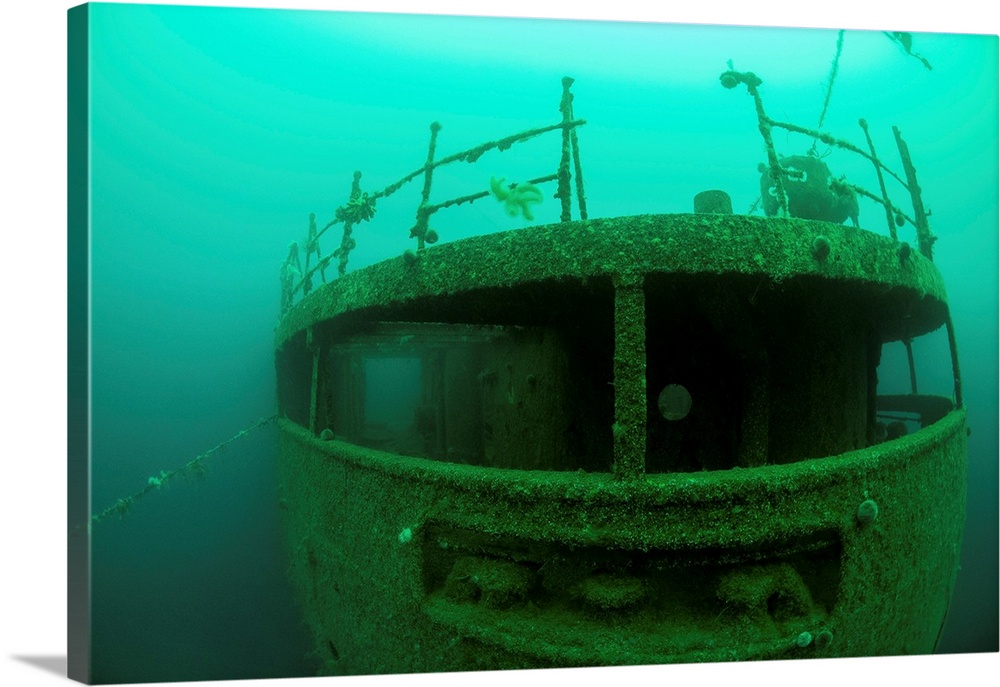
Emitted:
pixel 516 198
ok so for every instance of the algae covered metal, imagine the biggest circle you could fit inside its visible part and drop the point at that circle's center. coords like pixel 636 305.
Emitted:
pixel 642 439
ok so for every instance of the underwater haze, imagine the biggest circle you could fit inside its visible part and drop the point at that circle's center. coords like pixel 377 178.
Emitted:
pixel 215 132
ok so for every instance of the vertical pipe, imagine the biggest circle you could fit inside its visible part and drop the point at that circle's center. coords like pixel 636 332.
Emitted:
pixel 954 361
pixel 881 180
pixel 574 146
pixel 563 191
pixel 924 237
pixel 913 368
pixel 578 168
pixel 629 429
pixel 420 230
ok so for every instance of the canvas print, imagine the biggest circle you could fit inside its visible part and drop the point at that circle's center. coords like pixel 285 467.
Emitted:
pixel 415 343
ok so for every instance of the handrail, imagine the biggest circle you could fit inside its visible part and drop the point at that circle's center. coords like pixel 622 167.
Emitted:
pixel 894 216
pixel 361 206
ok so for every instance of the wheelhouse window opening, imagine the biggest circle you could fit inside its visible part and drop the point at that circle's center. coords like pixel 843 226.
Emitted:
pixel 916 385
pixel 706 401
pixel 294 363
pixel 485 395
pixel 393 408
pixel 744 371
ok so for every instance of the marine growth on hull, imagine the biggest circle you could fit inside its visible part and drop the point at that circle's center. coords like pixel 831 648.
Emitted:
pixel 617 440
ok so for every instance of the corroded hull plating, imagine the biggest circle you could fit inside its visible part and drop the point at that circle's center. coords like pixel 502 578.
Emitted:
pixel 788 530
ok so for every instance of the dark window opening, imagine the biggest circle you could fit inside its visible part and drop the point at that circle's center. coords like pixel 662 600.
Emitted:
pixel 493 396
pixel 294 364
pixel 777 371
pixel 915 385
pixel 699 380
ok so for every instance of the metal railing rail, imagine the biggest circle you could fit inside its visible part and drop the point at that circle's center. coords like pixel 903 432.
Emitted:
pixel 895 217
pixel 360 206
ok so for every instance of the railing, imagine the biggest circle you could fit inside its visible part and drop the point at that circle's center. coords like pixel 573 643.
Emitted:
pixel 360 206
pixel 895 217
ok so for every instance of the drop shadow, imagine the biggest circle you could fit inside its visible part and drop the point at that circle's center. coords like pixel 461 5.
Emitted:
pixel 52 664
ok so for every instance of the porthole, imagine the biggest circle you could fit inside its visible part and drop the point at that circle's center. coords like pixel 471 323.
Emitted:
pixel 674 402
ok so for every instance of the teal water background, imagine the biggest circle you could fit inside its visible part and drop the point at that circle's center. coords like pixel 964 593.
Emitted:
pixel 215 132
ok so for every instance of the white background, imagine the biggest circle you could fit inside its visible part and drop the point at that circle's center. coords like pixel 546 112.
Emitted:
pixel 32 191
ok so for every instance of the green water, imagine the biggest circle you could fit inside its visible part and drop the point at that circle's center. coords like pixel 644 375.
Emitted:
pixel 216 132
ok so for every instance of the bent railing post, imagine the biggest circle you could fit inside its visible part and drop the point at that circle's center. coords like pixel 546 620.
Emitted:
pixel 731 79
pixel 925 239
pixel 346 242
pixel 886 203
pixel 420 230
